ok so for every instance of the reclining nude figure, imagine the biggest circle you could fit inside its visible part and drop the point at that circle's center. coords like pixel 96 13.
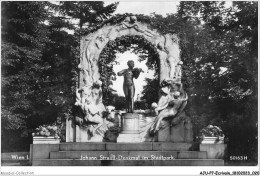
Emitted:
pixel 171 104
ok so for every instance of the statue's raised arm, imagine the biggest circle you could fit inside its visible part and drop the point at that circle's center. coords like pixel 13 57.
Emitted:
pixel 122 72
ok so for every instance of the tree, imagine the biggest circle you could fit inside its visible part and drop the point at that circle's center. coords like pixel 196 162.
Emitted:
pixel 87 12
pixel 62 53
pixel 23 41
pixel 150 91
pixel 119 102
pixel 225 72
pixel 38 59
pixel 39 68
pixel 219 51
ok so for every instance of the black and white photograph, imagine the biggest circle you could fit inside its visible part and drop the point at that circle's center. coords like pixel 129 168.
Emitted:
pixel 155 87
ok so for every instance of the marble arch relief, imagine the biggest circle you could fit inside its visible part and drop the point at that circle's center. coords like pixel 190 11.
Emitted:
pixel 89 93
pixel 92 45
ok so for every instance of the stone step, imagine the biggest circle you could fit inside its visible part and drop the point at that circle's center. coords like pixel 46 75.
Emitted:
pixel 118 154
pixel 177 162
pixel 146 146
pixel 11 162
pixel 78 146
pixel 15 156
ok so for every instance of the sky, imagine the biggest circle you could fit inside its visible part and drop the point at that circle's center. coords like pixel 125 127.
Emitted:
pixel 146 8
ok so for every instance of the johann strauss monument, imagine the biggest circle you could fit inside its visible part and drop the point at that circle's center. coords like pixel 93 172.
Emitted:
pixel 112 137
pixel 96 120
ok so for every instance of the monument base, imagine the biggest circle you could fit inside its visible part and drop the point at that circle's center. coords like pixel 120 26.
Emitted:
pixel 146 154
pixel 130 128
pixel 179 132
pixel 129 138
pixel 215 151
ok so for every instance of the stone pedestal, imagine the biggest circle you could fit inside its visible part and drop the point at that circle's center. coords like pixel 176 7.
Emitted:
pixel 70 131
pixel 130 128
pixel 164 135
pixel 82 135
pixel 178 133
pixel 215 151
pixel 45 140
pixel 181 132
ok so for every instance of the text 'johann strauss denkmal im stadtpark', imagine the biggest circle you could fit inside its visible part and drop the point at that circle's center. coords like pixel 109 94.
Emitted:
pixel 121 157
